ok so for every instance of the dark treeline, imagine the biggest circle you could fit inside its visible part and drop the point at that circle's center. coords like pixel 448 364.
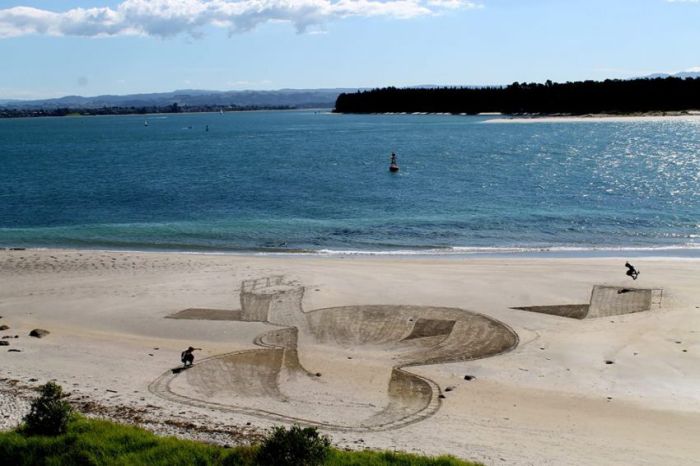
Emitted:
pixel 174 108
pixel 576 98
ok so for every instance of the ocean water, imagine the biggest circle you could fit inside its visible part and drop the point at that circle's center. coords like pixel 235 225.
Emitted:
pixel 319 182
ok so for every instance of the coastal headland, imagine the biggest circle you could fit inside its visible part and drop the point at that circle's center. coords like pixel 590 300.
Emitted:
pixel 509 360
pixel 612 96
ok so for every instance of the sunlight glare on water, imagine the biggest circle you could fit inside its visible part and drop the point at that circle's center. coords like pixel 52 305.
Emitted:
pixel 315 181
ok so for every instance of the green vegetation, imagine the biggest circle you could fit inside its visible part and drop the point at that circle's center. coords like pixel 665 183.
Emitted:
pixel 48 414
pixel 96 442
pixel 576 98
pixel 294 447
pixel 53 435
pixel 388 458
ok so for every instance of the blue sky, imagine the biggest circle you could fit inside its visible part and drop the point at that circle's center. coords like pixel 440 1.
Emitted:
pixel 91 47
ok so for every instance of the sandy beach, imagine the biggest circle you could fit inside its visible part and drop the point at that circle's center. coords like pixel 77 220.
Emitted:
pixel 379 360
pixel 689 117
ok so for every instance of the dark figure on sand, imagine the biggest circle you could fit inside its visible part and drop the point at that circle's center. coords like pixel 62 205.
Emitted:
pixel 187 356
pixel 631 271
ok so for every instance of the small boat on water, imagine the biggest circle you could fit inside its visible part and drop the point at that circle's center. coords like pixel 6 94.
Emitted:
pixel 393 165
pixel 145 122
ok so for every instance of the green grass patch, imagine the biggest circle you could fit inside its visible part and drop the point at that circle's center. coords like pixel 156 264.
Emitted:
pixel 388 458
pixel 97 442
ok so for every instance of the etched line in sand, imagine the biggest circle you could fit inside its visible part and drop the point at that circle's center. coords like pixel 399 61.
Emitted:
pixel 281 381
pixel 206 314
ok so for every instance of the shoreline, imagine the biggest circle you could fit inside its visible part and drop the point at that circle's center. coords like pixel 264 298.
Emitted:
pixel 540 116
pixel 499 117
pixel 79 112
pixel 457 252
pixel 598 117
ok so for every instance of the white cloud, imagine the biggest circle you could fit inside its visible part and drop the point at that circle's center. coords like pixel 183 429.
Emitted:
pixel 451 4
pixel 165 18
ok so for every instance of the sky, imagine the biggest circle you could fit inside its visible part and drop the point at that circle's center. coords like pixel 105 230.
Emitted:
pixel 93 47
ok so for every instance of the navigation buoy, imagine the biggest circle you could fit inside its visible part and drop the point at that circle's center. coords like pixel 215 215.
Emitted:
pixel 393 165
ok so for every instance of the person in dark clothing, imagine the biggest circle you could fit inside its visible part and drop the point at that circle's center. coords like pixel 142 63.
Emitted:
pixel 187 356
pixel 631 271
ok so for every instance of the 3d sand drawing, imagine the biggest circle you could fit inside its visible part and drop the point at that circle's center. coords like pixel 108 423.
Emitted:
pixel 341 368
pixel 606 301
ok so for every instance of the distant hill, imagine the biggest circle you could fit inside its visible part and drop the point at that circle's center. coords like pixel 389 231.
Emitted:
pixel 295 98
pixel 682 75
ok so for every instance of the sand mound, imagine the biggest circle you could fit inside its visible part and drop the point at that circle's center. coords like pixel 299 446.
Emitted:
pixel 340 368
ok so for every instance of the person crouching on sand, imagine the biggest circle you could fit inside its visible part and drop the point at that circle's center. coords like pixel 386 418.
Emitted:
pixel 187 356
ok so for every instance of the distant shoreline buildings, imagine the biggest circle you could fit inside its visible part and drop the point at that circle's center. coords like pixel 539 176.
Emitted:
pixel 168 109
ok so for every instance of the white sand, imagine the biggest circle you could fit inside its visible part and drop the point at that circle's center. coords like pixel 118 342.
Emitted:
pixel 689 118
pixel 552 400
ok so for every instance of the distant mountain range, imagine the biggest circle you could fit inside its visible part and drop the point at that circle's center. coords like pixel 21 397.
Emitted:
pixel 297 98
pixel 293 98
pixel 682 75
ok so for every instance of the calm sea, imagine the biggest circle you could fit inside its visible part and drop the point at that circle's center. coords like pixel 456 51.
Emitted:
pixel 315 181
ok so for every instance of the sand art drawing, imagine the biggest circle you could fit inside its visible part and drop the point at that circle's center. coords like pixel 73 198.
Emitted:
pixel 304 370
pixel 606 301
